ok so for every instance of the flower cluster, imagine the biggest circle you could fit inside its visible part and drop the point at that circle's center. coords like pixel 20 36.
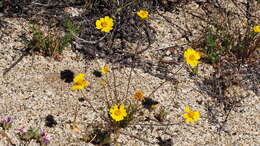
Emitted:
pixel 39 136
pixel 105 24
pixel 192 57
pixel 6 123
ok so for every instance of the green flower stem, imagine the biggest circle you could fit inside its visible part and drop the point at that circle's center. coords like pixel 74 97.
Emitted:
pixel 195 70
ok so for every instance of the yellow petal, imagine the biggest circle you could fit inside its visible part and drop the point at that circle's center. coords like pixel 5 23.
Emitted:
pixel 98 24
pixel 79 77
pixel 186 116
pixel 188 120
pixel 187 109
pixel 85 83
pixel 76 87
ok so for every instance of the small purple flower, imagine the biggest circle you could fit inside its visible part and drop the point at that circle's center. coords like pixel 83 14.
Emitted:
pixel 7 120
pixel 45 140
pixel 42 134
pixel 21 131
pixel 6 123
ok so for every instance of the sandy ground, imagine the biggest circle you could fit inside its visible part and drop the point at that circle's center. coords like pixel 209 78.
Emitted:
pixel 33 89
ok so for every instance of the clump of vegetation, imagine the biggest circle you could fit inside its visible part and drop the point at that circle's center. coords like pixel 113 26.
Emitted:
pixel 36 134
pixel 121 111
pixel 6 123
pixel 221 42
pixel 229 43
pixel 50 43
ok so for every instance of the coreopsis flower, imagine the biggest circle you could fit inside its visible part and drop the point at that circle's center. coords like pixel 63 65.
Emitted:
pixel 191 116
pixel 105 24
pixel 139 95
pixel 256 28
pixel 104 69
pixel 102 82
pixel 192 57
pixel 143 14
pixel 79 82
pixel 118 113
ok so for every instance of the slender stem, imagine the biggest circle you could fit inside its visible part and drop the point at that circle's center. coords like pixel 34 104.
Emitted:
pixel 163 83
pixel 88 101
pixel 15 63
pixel 103 117
pixel 129 81
pixel 131 71
pixel 76 113
pixel 115 90
pixel 128 4
pixel 107 101
pixel 109 87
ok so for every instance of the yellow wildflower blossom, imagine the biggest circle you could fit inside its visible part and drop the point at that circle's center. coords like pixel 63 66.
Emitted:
pixel 102 82
pixel 79 82
pixel 256 28
pixel 192 57
pixel 104 69
pixel 154 106
pixel 105 24
pixel 118 113
pixel 143 14
pixel 139 95
pixel 191 116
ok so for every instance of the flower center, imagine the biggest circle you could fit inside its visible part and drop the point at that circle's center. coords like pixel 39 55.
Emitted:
pixel 118 113
pixel 191 115
pixel 138 95
pixel 192 57
pixel 79 82
pixel 104 24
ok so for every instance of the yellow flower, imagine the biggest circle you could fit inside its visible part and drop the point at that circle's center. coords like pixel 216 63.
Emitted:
pixel 105 24
pixel 143 14
pixel 154 106
pixel 191 116
pixel 139 95
pixel 104 69
pixel 79 82
pixel 256 28
pixel 118 114
pixel 192 57
pixel 102 82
